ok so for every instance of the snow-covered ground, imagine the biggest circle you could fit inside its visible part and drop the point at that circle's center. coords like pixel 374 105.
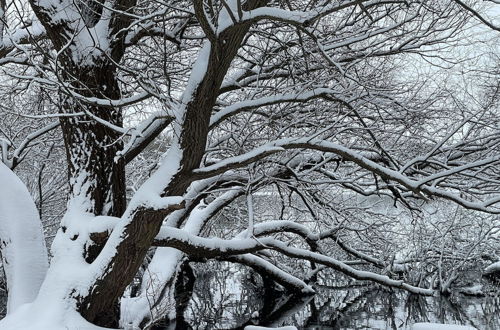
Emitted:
pixel 34 317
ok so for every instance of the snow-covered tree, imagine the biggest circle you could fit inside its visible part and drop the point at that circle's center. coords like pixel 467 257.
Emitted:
pixel 276 120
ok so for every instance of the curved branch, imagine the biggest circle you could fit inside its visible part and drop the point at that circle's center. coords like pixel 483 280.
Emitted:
pixel 215 247
pixel 477 15
pixel 281 277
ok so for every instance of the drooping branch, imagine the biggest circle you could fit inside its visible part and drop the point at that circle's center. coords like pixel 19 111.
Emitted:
pixel 262 266
pixel 214 247
pixel 418 186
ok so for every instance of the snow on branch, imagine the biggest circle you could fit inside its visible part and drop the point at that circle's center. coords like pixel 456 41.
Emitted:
pixel 162 269
pixel 238 161
pixel 418 187
pixel 270 227
pixel 19 152
pixel 26 35
pixel 263 266
pixel 270 100
pixel 215 247
pixel 282 226
pixel 294 17
pixel 144 134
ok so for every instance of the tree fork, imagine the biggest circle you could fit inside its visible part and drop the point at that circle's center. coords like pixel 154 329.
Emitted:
pixel 145 224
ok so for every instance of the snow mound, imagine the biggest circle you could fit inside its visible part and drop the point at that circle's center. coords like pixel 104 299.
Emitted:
pixel 23 251
pixel 31 317
pixel 437 326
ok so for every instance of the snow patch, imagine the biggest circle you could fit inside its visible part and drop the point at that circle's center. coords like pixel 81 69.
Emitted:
pixel 32 316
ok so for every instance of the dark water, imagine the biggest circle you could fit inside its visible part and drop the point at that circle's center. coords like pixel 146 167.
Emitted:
pixel 221 297
pixel 230 298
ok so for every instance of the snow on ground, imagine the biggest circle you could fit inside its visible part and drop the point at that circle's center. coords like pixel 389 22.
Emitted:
pixel 32 317
pixel 437 326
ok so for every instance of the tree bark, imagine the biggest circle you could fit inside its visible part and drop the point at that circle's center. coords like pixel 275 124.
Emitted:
pixel 145 223
pixel 91 147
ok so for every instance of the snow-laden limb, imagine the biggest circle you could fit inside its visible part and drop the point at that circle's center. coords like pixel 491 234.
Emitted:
pixel 247 105
pixel 214 247
pixel 281 226
pixel 108 103
pixel 276 226
pixel 24 255
pixel 145 26
pixel 238 161
pixel 144 134
pixel 149 195
pixel 488 161
pixel 292 16
pixel 10 40
pixel 417 187
pixel 281 277
pixel 493 268
pixel 438 146
pixel 363 256
pixel 154 300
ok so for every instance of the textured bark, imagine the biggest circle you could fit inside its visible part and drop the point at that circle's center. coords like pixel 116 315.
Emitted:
pixel 91 147
pixel 96 180
pixel 107 290
pixel 145 224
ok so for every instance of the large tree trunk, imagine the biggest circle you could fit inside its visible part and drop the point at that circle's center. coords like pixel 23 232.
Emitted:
pixel 95 174
pixel 97 181
pixel 144 224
